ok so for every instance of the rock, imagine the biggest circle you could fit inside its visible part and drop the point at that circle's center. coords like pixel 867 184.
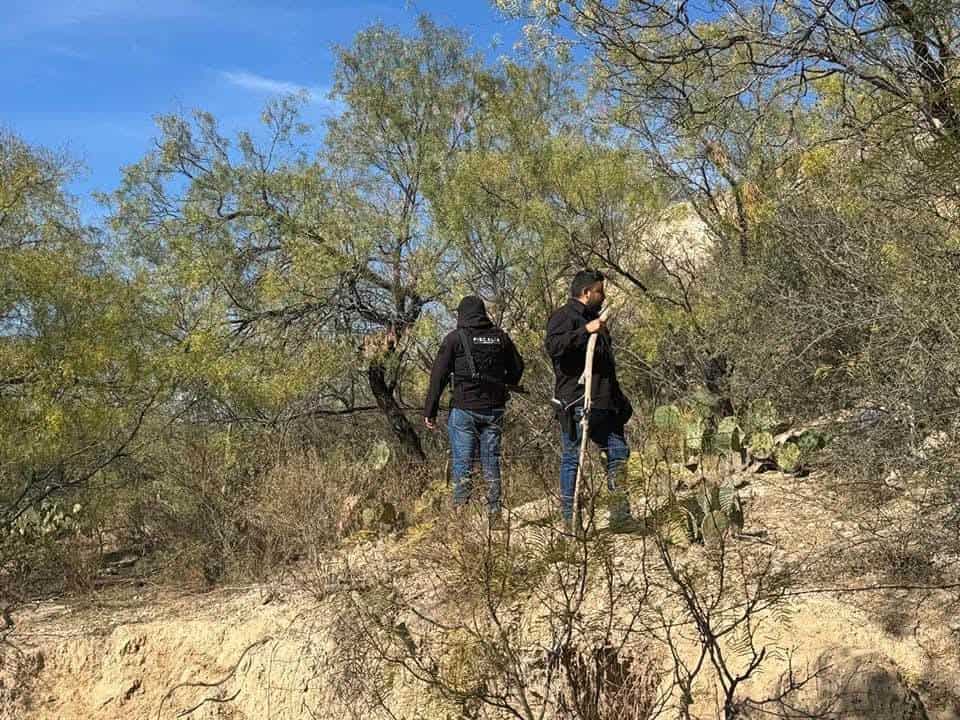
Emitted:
pixel 853 686
pixel 932 444
pixel 935 441
pixel 757 490
pixel 895 481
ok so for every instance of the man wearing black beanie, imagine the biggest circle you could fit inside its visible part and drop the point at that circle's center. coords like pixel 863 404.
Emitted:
pixel 481 361
pixel 568 331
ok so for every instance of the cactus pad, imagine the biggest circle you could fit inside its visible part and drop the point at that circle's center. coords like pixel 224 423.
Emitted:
pixel 761 445
pixel 667 418
pixel 713 526
pixel 788 457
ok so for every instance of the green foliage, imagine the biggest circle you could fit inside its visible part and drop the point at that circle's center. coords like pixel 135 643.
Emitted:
pixel 667 418
pixel 247 298
pixel 761 445
pixel 810 441
pixel 703 515
pixel 78 370
pixel 726 439
pixel 788 457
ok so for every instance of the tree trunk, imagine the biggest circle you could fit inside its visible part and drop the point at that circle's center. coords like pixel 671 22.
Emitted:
pixel 402 429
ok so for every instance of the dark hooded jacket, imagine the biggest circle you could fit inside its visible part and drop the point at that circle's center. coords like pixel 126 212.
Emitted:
pixel 566 344
pixel 494 353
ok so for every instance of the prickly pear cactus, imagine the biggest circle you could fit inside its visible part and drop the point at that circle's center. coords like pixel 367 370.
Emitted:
pixel 667 418
pixel 661 486
pixel 708 497
pixel 729 504
pixel 693 429
pixel 670 433
pixel 677 525
pixel 810 441
pixel 713 526
pixel 702 402
pixel 378 456
pixel 727 437
pixel 761 445
pixel 788 457
pixel 703 515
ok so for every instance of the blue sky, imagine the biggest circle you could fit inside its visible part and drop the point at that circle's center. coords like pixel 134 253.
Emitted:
pixel 88 76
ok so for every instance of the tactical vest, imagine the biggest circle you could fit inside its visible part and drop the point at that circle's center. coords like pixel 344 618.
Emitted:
pixel 484 356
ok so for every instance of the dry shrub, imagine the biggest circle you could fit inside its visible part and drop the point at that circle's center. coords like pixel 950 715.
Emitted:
pixel 307 502
pixel 203 507
pixel 607 683
pixel 530 478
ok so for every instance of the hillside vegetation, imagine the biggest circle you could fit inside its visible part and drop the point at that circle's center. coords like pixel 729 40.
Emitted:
pixel 220 386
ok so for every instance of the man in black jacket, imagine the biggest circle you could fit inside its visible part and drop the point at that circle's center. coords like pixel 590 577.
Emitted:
pixel 481 360
pixel 568 331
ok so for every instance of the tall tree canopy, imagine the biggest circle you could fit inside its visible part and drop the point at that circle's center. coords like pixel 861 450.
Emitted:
pixel 76 370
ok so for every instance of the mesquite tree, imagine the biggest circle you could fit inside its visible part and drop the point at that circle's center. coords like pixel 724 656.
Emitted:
pixel 322 263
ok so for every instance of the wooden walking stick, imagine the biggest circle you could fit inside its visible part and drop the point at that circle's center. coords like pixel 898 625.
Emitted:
pixel 587 381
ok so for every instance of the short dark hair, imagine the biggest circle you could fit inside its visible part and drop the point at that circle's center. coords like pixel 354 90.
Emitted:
pixel 584 279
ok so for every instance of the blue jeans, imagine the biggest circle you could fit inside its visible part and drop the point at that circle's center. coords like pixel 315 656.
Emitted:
pixel 606 431
pixel 475 434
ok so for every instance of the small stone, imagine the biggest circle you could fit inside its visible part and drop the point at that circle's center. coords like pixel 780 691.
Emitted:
pixel 895 480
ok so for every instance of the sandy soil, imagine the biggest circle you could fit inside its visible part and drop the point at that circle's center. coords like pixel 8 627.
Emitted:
pixel 259 652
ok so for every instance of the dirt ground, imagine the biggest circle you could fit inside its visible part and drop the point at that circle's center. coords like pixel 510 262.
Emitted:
pixel 258 652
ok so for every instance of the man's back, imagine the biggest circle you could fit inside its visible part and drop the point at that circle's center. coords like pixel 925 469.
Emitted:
pixel 496 363
pixel 481 360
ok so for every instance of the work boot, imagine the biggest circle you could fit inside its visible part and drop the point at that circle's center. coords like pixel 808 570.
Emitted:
pixel 620 518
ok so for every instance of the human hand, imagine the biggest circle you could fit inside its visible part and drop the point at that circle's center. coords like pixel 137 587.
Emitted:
pixel 595 326
pixel 431 423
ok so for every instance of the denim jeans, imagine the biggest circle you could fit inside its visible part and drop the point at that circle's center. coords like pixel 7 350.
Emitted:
pixel 606 431
pixel 475 434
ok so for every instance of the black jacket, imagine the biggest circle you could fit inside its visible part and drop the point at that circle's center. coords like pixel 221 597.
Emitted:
pixel 566 344
pixel 469 394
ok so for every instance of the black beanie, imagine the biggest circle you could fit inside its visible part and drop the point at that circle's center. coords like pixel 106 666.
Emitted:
pixel 584 279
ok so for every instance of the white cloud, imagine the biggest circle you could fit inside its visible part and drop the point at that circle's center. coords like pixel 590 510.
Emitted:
pixel 259 83
pixel 269 86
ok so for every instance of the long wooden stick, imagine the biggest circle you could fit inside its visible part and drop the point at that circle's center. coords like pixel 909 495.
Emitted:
pixel 587 381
